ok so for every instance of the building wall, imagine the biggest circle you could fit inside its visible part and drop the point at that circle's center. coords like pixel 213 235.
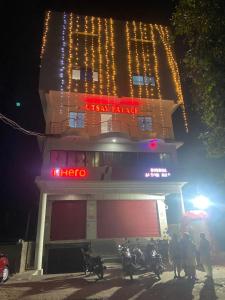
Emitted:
pixel 160 112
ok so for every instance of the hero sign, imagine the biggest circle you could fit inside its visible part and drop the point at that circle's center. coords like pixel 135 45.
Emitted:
pixel 70 172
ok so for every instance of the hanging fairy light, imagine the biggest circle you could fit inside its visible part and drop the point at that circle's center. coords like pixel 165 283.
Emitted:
pixel 62 62
pixel 129 60
pixel 113 65
pixel 174 70
pixel 70 39
pixel 45 33
pixel 100 57
pixel 92 53
pixel 86 54
pixel 143 59
pixel 76 50
pixel 107 57
pixel 137 57
pixel 156 70
pixel 148 60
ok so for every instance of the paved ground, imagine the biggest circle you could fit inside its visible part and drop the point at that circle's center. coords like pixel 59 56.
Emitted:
pixel 114 286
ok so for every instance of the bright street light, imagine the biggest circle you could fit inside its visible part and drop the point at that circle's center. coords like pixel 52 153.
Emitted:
pixel 201 202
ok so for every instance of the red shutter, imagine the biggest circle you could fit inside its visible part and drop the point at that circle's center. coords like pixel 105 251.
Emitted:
pixel 68 220
pixel 127 218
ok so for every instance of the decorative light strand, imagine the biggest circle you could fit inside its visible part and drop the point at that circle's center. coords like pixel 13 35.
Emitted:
pixel 107 57
pixel 143 60
pixel 92 53
pixel 70 39
pixel 62 62
pixel 137 58
pixel 100 57
pixel 76 48
pixel 148 60
pixel 44 37
pixel 174 70
pixel 86 54
pixel 113 65
pixel 156 70
pixel 129 60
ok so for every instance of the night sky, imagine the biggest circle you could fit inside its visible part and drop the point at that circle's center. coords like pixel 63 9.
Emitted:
pixel 20 159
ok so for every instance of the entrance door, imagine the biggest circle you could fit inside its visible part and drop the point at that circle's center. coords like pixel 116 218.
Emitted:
pixel 106 123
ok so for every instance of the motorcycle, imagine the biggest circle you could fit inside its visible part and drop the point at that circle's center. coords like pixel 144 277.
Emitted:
pixel 127 261
pixel 93 264
pixel 157 263
pixel 138 257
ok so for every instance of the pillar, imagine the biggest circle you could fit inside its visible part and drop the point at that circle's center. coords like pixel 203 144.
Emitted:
pixel 91 228
pixel 182 209
pixel 40 233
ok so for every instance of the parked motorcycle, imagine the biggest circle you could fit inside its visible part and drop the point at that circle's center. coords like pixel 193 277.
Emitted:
pixel 138 257
pixel 127 261
pixel 157 263
pixel 93 264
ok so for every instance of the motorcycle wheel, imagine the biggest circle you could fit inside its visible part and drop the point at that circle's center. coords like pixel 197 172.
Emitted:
pixel 5 274
pixel 100 273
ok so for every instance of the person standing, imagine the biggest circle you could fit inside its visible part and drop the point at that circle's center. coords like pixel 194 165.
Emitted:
pixel 205 255
pixel 189 253
pixel 175 255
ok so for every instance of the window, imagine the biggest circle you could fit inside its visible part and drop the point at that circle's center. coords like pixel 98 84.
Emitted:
pixel 106 123
pixel 145 123
pixel 84 74
pixel 143 80
pixel 76 120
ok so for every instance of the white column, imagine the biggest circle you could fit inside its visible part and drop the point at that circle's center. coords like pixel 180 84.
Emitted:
pixel 40 233
pixel 162 217
pixel 91 222
pixel 182 203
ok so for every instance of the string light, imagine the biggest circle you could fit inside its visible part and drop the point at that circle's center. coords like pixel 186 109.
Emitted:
pixel 85 54
pixel 148 61
pixel 62 62
pixel 76 48
pixel 112 47
pixel 137 58
pixel 92 53
pixel 157 78
pixel 100 57
pixel 174 70
pixel 44 37
pixel 129 60
pixel 70 39
pixel 107 57
pixel 144 60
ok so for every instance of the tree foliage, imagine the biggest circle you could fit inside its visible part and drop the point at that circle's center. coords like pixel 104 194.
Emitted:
pixel 202 24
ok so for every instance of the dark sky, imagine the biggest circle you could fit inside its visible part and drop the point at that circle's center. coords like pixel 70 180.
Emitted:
pixel 20 159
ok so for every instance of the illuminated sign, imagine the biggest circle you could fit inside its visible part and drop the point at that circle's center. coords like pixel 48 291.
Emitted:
pixel 112 100
pixel 111 108
pixel 69 172
pixel 158 173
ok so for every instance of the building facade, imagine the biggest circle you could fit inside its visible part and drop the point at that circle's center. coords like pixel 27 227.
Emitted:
pixel 108 90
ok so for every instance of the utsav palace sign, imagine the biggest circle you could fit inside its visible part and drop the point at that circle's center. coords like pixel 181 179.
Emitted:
pixel 111 105
pixel 111 108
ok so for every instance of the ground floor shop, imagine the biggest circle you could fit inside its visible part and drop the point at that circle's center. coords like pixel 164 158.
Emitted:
pixel 101 213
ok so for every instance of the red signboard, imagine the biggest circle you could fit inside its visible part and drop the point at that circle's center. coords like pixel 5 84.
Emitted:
pixel 69 172
pixel 132 110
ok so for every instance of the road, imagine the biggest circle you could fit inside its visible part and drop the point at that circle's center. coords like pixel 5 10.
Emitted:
pixel 114 286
